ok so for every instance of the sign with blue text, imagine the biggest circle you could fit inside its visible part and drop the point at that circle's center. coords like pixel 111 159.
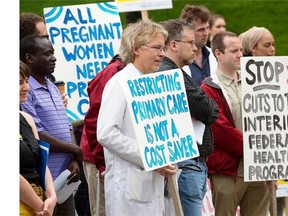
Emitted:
pixel 85 38
pixel 265 117
pixel 161 118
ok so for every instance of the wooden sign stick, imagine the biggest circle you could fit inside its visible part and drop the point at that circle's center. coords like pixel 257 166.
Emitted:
pixel 286 205
pixel 173 189
pixel 144 15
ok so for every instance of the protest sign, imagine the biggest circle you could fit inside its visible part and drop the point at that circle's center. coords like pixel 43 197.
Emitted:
pixel 85 38
pixel 161 118
pixel 265 117
pixel 143 5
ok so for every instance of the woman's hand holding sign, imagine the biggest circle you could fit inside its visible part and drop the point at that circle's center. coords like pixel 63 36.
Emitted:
pixel 169 169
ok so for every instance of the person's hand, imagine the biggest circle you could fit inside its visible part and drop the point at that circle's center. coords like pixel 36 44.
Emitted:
pixel 102 174
pixel 65 100
pixel 75 172
pixel 39 213
pixel 49 205
pixel 276 185
pixel 167 170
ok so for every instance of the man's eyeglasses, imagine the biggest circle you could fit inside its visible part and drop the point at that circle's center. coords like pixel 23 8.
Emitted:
pixel 189 42
pixel 45 36
pixel 156 48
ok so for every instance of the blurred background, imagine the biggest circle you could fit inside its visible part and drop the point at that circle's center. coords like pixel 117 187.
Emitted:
pixel 240 15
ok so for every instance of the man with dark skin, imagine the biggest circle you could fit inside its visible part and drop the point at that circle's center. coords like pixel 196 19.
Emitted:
pixel 45 105
pixel 33 24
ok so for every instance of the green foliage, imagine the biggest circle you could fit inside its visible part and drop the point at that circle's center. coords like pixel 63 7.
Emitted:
pixel 240 15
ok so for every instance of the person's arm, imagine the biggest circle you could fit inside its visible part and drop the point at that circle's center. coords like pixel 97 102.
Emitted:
pixel 110 125
pixel 57 145
pixel 74 166
pixel 201 106
pixel 60 146
pixel 95 91
pixel 31 122
pixel 50 194
pixel 28 195
pixel 226 136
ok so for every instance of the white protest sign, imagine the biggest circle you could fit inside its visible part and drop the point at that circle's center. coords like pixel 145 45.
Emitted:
pixel 161 118
pixel 265 117
pixel 139 5
pixel 85 38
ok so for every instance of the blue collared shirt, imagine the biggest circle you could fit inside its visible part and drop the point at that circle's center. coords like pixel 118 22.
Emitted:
pixel 199 74
pixel 46 107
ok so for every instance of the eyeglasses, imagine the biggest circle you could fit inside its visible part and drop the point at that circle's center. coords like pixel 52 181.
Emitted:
pixel 45 36
pixel 189 42
pixel 156 48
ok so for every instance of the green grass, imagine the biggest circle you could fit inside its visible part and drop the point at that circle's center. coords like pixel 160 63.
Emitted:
pixel 239 15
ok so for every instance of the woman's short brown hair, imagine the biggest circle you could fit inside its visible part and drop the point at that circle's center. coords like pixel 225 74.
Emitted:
pixel 24 69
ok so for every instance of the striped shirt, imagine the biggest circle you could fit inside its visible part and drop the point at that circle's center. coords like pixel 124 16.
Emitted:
pixel 46 107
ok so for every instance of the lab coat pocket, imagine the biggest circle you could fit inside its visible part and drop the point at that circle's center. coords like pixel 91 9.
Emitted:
pixel 139 185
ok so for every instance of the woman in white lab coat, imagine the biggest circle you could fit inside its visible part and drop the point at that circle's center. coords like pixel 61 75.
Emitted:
pixel 129 189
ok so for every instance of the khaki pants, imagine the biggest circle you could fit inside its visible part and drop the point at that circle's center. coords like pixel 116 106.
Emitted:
pixel 92 176
pixel 24 209
pixel 228 192
pixel 273 199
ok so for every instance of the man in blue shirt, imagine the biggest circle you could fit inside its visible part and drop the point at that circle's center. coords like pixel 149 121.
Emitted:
pixel 45 105
pixel 205 62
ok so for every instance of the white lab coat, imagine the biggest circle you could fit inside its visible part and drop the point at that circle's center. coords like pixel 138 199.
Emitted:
pixel 129 189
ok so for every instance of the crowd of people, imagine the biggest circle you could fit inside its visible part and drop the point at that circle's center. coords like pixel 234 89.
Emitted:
pixel 106 155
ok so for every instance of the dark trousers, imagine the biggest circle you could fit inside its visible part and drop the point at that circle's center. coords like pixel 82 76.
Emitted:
pixel 81 196
pixel 66 208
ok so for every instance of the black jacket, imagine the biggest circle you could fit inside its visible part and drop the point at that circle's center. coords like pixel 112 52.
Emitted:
pixel 201 107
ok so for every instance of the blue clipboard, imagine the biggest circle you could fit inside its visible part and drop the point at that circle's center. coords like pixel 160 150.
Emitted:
pixel 44 153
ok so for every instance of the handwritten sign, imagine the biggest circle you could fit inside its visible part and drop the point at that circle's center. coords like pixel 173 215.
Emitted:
pixel 85 38
pixel 265 117
pixel 139 5
pixel 161 118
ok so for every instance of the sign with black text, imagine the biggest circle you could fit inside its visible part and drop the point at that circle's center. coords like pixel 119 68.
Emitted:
pixel 265 117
